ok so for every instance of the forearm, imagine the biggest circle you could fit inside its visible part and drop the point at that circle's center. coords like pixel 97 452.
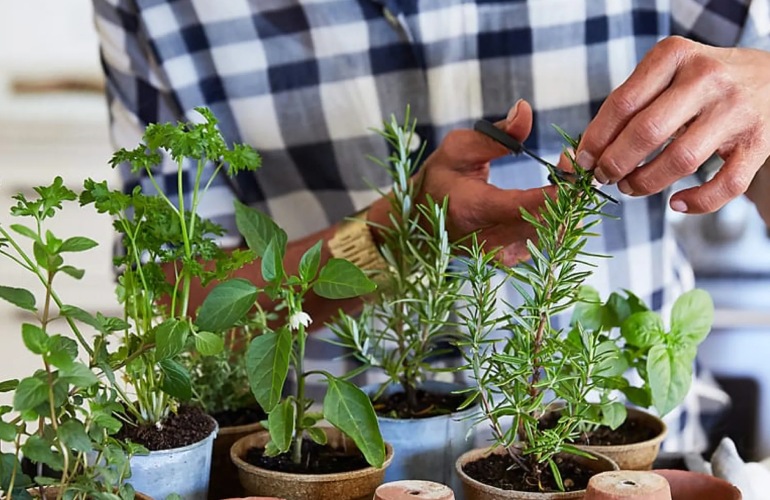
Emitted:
pixel 759 191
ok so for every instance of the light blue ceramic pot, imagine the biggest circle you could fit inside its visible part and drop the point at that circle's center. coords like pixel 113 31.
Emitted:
pixel 427 448
pixel 184 471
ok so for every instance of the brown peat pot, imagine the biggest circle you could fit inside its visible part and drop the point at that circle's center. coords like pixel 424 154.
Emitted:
pixel 354 485
pixel 224 474
pixel 635 456
pixel 476 490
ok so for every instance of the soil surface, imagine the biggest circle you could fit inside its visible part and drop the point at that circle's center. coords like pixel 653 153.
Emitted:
pixel 630 432
pixel 501 472
pixel 189 425
pixel 316 459
pixel 241 416
pixel 429 405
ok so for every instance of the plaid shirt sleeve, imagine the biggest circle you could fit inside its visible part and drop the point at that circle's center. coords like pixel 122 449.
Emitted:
pixel 137 95
pixel 723 23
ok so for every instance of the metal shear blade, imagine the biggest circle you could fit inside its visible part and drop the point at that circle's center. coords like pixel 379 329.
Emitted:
pixel 516 147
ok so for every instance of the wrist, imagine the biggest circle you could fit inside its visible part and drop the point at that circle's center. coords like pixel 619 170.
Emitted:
pixel 354 241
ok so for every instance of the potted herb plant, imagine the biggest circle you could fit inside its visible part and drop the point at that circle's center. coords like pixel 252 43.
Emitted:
pixel 407 325
pixel 644 350
pixel 62 418
pixel 296 458
pixel 534 367
pixel 165 246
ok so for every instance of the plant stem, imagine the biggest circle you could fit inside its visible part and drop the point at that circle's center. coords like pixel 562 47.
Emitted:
pixel 296 456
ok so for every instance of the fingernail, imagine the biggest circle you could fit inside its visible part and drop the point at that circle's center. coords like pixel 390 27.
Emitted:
pixel 624 187
pixel 678 206
pixel 512 113
pixel 599 176
pixel 585 160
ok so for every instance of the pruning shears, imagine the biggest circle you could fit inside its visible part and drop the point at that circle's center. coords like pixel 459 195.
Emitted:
pixel 490 130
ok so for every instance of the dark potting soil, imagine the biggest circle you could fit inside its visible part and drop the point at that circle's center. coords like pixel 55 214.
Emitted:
pixel 501 472
pixel 429 405
pixel 630 432
pixel 188 426
pixel 240 416
pixel 317 459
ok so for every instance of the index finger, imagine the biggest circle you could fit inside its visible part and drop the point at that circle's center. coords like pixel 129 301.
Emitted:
pixel 650 78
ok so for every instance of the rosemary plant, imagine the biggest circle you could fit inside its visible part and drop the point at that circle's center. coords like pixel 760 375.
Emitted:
pixel 407 322
pixel 537 365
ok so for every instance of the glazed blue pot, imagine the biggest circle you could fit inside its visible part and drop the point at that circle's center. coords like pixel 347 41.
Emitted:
pixel 184 471
pixel 427 448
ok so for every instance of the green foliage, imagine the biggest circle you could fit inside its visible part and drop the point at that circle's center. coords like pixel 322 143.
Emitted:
pixel 662 358
pixel 408 319
pixel 64 410
pixel 162 236
pixel 270 355
pixel 537 366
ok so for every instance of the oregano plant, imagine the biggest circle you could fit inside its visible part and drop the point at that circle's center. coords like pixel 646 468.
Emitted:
pixel 62 417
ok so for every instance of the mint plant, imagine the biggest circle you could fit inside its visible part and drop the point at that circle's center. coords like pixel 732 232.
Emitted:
pixel 537 366
pixel 408 321
pixel 270 355
pixel 163 231
pixel 62 418
pixel 663 358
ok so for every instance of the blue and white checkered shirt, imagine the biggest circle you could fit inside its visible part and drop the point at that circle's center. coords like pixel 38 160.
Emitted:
pixel 304 81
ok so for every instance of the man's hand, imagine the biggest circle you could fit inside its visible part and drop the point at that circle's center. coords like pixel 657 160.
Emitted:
pixel 459 169
pixel 708 99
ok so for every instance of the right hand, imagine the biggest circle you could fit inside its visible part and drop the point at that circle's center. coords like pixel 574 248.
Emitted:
pixel 459 169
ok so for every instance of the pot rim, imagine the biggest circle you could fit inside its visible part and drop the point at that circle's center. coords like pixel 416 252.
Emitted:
pixel 485 452
pixel 631 446
pixel 243 465
pixel 238 429
pixel 182 449
pixel 455 415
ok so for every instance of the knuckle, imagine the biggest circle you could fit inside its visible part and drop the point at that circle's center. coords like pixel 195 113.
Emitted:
pixel 673 45
pixel 648 134
pixel 682 158
pixel 714 73
pixel 623 102
pixel 735 185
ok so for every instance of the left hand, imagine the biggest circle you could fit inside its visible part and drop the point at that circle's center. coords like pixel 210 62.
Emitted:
pixel 708 99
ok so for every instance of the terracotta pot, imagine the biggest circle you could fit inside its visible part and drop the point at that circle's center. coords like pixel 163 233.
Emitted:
pixel 413 490
pixel 628 485
pixel 224 474
pixel 51 494
pixel 354 485
pixel 476 490
pixel 687 485
pixel 636 456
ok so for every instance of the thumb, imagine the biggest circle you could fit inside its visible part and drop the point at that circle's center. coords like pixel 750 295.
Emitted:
pixel 468 147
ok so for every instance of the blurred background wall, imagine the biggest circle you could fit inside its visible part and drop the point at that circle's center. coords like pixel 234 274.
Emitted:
pixel 53 121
